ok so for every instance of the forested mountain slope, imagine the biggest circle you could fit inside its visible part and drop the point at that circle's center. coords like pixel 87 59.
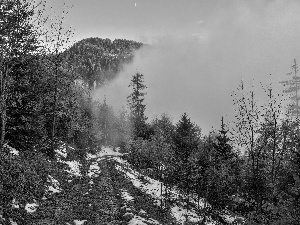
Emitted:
pixel 99 60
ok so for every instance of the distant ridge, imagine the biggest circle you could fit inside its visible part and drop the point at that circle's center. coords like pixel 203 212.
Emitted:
pixel 98 60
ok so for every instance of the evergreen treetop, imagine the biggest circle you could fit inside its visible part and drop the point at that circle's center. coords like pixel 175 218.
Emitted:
pixel 137 106
pixel 224 150
pixel 136 98
pixel 186 137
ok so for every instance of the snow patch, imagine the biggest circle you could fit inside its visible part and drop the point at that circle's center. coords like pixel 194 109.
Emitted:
pixel 126 195
pixel 143 211
pixel 90 156
pixel 94 170
pixel 107 151
pixel 151 187
pixel 74 167
pixel 31 207
pixel 180 214
pixel 155 188
pixel 15 204
pixel 12 150
pixel 13 222
pixel 104 152
pixel 54 185
pixel 62 151
pixel 137 220
pixel 79 222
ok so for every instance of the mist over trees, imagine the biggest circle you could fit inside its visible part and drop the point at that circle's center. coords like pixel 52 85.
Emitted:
pixel 250 169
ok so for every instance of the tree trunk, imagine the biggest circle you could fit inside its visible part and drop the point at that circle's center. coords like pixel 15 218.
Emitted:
pixel 161 195
pixel 52 152
pixel 3 110
pixel 274 152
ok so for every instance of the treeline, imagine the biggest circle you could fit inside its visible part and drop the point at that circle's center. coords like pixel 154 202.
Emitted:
pixel 99 60
pixel 250 169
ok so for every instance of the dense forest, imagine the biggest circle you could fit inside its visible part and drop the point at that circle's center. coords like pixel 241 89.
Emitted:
pixel 249 170
pixel 99 60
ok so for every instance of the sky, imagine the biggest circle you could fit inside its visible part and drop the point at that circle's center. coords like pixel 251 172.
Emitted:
pixel 200 49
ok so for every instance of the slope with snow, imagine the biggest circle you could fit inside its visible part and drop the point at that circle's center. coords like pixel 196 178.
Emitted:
pixel 140 197
pixel 155 188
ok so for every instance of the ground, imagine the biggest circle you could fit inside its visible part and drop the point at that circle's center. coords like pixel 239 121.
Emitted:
pixel 104 188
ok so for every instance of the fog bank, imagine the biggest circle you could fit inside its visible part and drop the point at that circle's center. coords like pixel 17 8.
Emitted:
pixel 196 73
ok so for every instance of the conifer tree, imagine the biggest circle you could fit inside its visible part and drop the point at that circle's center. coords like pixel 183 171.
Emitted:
pixel 18 39
pixel 224 151
pixel 22 176
pixel 137 106
pixel 106 123
pixel 186 140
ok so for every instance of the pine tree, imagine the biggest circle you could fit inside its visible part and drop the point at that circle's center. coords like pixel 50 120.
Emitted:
pixel 185 139
pixel 18 39
pixel 222 147
pixel 22 177
pixel 137 106
pixel 293 87
pixel 107 124
pixel 223 172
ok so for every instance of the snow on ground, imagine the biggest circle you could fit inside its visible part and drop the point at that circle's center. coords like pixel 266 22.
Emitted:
pixel 153 188
pixel 108 152
pixel 180 214
pixel 54 185
pixel 234 219
pixel 79 222
pixel 13 222
pixel 11 149
pixel 137 220
pixel 15 204
pixel 94 170
pixel 31 207
pixel 91 156
pixel 74 167
pixel 105 151
pixel 126 196
pixel 62 150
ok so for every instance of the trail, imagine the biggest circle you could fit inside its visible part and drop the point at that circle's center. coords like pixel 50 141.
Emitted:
pixel 104 189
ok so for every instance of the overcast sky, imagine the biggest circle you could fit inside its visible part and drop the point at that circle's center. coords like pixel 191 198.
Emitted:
pixel 201 49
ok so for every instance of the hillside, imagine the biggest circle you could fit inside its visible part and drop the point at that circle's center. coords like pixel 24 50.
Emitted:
pixel 106 189
pixel 97 60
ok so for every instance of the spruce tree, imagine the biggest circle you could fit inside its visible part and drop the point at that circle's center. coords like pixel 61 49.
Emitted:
pixel 185 138
pixel 137 106
pixel 18 39
pixel 223 149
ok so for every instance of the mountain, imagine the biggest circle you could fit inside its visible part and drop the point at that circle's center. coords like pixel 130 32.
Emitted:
pixel 98 60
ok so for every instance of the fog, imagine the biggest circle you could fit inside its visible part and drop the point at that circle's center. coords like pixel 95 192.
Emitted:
pixel 241 40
